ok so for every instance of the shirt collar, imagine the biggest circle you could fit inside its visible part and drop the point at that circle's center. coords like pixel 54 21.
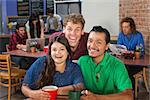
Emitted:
pixel 67 67
pixel 103 62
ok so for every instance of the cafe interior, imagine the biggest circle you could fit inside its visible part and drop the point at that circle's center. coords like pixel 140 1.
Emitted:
pixel 106 13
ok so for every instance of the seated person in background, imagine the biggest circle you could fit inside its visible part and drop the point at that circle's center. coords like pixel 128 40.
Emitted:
pixel 35 26
pixel 53 24
pixel 55 69
pixel 74 32
pixel 129 36
pixel 60 22
pixel 105 76
pixel 18 41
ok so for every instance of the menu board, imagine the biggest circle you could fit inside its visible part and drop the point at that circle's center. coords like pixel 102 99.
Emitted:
pixel 37 5
pixel 23 7
pixel 49 5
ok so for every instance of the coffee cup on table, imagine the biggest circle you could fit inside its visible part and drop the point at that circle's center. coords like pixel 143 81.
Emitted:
pixel 52 90
pixel 46 49
pixel 33 49
pixel 74 95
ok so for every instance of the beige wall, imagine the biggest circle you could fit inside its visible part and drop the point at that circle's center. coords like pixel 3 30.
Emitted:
pixel 101 12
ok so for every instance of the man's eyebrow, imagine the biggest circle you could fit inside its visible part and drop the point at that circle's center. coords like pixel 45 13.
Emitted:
pixel 79 27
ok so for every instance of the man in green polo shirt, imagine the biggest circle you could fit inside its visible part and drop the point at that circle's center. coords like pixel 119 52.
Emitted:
pixel 105 76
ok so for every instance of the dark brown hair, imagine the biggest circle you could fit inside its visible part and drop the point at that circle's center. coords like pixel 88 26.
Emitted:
pixel 35 16
pixel 47 74
pixel 20 25
pixel 104 30
pixel 50 11
pixel 131 22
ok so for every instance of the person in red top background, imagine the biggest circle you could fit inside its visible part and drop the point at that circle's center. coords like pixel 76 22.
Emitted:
pixel 73 30
pixel 18 39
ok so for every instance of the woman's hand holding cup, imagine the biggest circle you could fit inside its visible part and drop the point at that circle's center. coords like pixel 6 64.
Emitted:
pixel 39 95
pixel 51 90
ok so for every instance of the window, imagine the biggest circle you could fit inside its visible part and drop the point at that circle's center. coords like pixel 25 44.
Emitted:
pixel 67 7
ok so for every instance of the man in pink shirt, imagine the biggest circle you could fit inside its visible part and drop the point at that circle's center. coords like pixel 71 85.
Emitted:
pixel 73 30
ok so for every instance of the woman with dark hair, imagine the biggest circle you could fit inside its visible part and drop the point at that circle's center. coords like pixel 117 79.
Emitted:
pixel 55 69
pixel 35 26
pixel 129 36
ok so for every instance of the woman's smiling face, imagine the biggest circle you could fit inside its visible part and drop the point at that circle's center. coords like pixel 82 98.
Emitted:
pixel 59 53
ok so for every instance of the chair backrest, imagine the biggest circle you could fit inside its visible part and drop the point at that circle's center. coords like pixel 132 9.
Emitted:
pixel 7 73
pixel 146 72
pixel 5 63
pixel 7 47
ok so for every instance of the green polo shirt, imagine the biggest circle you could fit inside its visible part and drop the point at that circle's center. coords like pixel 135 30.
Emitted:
pixel 108 77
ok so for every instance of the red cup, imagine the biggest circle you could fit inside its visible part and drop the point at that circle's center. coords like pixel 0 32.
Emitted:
pixel 52 90
pixel 46 49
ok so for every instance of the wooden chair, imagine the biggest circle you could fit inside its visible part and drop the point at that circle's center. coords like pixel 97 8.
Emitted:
pixel 142 74
pixel 7 47
pixel 146 77
pixel 22 72
pixel 9 76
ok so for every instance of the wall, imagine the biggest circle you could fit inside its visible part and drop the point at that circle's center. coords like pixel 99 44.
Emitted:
pixel 9 8
pixel 1 17
pixel 139 10
pixel 4 14
pixel 101 12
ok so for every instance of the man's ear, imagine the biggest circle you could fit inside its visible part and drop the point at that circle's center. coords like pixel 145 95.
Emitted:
pixel 107 46
pixel 82 32
pixel 17 30
pixel 64 29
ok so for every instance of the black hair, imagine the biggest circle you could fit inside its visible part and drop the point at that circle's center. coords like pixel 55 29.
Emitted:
pixel 104 30
pixel 35 16
pixel 20 25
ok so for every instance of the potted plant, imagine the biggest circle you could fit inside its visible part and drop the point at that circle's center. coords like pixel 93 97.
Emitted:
pixel 138 51
pixel 10 27
pixel 33 47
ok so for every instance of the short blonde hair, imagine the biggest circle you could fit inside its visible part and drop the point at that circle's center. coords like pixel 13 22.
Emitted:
pixel 75 18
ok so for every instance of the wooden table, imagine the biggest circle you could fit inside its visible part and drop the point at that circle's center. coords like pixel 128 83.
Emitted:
pixel 65 97
pixel 25 54
pixel 136 65
pixel 145 61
